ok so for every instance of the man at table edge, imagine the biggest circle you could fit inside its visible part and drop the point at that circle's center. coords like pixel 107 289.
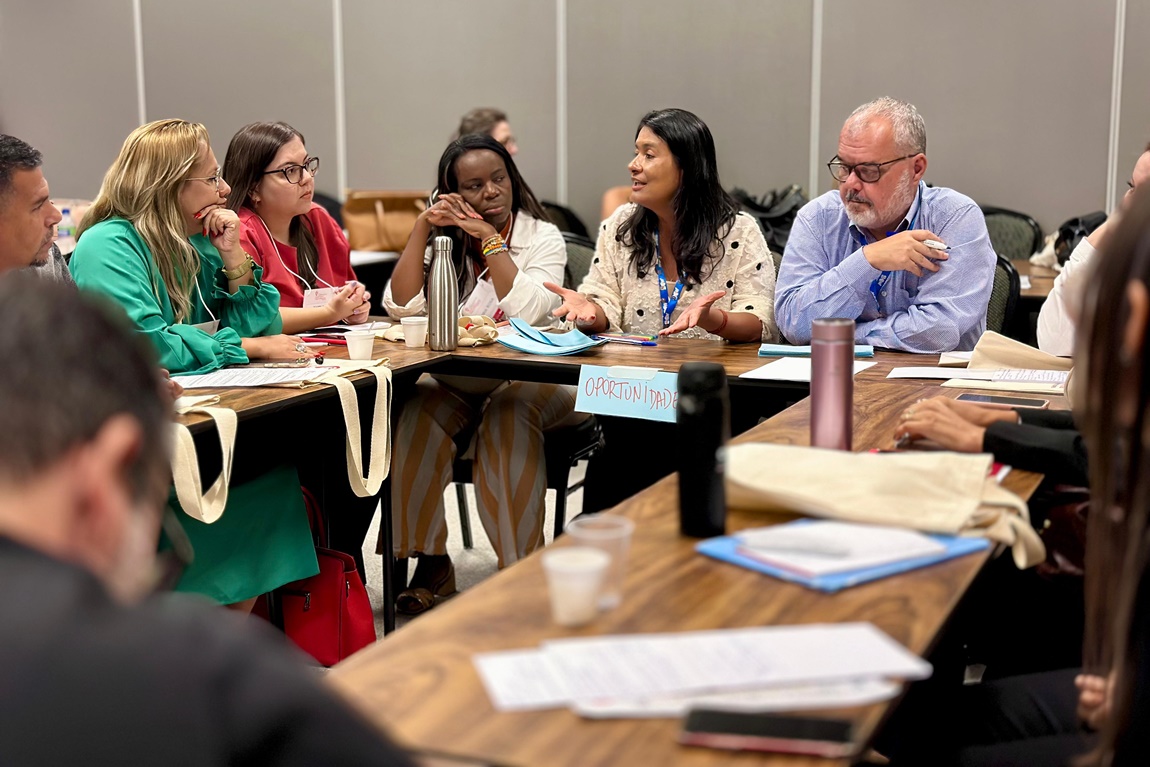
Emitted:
pixel 861 251
pixel 90 675
pixel 28 217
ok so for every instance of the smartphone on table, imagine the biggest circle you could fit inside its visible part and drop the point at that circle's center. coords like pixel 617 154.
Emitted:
pixel 750 731
pixel 1001 401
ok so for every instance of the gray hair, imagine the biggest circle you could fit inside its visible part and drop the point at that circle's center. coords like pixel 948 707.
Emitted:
pixel 907 124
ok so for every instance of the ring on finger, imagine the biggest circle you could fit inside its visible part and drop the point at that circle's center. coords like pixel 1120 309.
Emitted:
pixel 300 348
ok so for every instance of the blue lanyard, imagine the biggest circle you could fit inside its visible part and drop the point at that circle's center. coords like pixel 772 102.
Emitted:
pixel 879 283
pixel 670 303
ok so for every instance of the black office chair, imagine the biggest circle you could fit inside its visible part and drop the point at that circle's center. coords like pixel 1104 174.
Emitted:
pixel 1013 234
pixel 563 449
pixel 564 218
pixel 580 251
pixel 1003 296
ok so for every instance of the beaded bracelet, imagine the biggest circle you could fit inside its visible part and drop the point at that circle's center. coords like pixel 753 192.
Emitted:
pixel 493 245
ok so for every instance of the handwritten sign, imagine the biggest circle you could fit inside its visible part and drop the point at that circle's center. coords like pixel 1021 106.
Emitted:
pixel 628 392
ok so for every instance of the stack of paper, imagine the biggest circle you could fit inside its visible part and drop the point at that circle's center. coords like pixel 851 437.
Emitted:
pixel 533 341
pixel 791 369
pixel 786 350
pixel 627 670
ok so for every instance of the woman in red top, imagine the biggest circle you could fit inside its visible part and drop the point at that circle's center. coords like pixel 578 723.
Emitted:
pixel 299 245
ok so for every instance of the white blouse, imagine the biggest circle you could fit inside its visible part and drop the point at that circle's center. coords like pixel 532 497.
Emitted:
pixel 743 268
pixel 537 249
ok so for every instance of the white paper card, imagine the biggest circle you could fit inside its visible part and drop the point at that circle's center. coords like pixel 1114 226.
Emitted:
pixel 941 373
pixel 792 369
pixel 317 298
pixel 246 377
pixel 483 300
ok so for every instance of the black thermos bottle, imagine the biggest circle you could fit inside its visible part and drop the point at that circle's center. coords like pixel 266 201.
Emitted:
pixel 703 414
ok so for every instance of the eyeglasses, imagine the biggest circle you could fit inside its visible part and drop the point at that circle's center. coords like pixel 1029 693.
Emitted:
pixel 213 180
pixel 868 172
pixel 294 173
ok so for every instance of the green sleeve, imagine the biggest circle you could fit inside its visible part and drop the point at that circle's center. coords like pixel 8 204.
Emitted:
pixel 111 258
pixel 253 310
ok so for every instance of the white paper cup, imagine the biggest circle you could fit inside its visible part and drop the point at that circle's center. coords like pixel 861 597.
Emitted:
pixel 610 534
pixel 359 344
pixel 574 577
pixel 414 331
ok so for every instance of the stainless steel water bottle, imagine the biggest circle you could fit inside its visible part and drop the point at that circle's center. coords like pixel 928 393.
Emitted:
pixel 704 426
pixel 442 299
pixel 832 383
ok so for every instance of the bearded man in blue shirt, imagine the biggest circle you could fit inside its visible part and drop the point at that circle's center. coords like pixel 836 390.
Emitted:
pixel 911 264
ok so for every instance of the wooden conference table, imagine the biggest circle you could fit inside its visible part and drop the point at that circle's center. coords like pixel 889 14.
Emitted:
pixel 1041 281
pixel 270 405
pixel 420 684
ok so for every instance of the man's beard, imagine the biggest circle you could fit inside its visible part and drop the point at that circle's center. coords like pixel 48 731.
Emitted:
pixel 899 202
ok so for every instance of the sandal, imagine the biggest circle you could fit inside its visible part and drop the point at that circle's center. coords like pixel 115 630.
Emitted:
pixel 419 598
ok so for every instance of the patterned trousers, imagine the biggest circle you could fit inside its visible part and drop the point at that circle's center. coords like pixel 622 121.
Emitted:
pixel 509 471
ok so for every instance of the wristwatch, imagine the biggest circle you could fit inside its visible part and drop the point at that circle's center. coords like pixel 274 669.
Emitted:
pixel 241 270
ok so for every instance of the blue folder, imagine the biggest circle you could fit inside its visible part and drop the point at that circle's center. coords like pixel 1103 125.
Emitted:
pixel 786 350
pixel 725 548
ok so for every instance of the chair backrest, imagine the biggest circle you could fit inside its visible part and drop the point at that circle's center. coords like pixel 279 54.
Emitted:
pixel 1013 234
pixel 777 257
pixel 564 218
pixel 580 251
pixel 1003 296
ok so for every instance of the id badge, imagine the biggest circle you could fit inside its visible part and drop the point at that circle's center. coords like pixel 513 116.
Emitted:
pixel 210 327
pixel 317 298
pixel 483 300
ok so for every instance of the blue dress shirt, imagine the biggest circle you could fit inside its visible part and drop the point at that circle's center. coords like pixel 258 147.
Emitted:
pixel 825 274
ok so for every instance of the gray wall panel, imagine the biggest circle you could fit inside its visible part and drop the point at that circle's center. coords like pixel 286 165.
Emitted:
pixel 69 85
pixel 1016 96
pixel 1134 122
pixel 259 60
pixel 742 65
pixel 413 69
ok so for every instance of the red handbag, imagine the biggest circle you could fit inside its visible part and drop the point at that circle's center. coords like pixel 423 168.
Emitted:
pixel 328 615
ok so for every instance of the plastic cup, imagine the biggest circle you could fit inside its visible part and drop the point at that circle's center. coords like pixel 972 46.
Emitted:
pixel 574 576
pixel 414 331
pixel 360 344
pixel 610 534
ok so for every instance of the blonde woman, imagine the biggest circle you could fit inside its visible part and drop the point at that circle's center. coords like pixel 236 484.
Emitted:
pixel 160 241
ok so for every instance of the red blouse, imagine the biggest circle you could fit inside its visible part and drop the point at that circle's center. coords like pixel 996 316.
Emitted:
pixel 334 263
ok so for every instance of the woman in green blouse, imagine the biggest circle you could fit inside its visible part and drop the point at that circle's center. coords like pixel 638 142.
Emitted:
pixel 160 241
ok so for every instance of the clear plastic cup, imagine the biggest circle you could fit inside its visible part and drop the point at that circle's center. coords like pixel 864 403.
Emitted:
pixel 610 534
pixel 574 577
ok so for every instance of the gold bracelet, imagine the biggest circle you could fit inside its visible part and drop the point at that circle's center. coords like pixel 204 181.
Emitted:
pixel 241 270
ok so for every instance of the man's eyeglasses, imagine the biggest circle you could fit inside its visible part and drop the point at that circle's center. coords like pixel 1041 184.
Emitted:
pixel 213 180
pixel 294 173
pixel 868 172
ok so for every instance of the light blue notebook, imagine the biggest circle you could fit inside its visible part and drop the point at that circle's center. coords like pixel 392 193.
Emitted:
pixel 532 341
pixel 786 350
pixel 725 548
